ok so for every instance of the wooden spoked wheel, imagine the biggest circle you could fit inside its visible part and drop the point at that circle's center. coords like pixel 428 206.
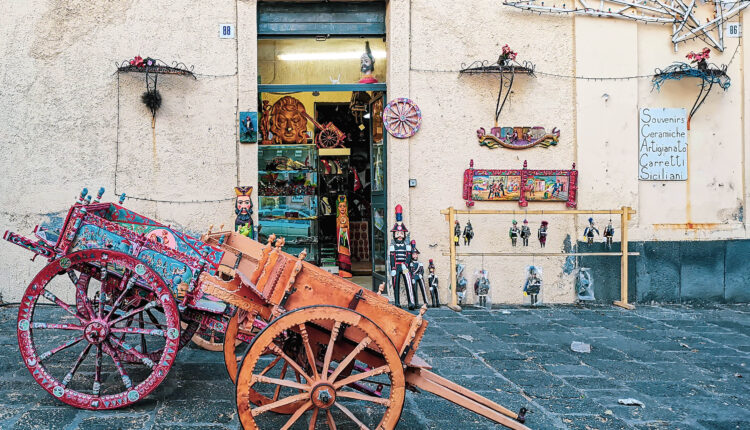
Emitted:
pixel 402 118
pixel 82 353
pixel 323 344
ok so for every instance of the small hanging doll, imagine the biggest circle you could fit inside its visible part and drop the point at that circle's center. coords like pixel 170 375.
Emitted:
pixel 533 285
pixel 460 282
pixel 468 233
pixel 417 274
pixel 456 233
pixel 609 233
pixel 590 231
pixel 513 233
pixel 432 281
pixel 542 234
pixel 525 233
pixel 482 287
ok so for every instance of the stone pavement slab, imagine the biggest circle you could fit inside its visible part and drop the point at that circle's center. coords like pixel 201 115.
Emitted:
pixel 687 364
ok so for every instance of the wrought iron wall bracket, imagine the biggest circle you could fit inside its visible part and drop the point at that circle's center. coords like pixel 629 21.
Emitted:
pixel 152 73
pixel 709 75
pixel 506 71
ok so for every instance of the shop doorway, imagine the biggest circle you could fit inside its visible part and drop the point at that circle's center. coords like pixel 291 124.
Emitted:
pixel 301 185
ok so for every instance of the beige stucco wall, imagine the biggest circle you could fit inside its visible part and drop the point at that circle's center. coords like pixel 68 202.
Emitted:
pixel 60 106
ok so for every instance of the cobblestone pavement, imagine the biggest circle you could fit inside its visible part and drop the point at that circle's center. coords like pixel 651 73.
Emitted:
pixel 687 365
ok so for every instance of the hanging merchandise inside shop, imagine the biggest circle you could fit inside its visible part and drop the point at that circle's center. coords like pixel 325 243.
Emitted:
pixel 321 166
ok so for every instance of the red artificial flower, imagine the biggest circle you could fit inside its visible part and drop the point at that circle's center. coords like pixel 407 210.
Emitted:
pixel 137 61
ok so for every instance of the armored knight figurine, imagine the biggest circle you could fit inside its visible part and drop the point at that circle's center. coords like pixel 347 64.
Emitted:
pixel 589 232
pixel 456 233
pixel 417 274
pixel 399 259
pixel 432 281
pixel 468 233
pixel 542 234
pixel 513 233
pixel 533 285
pixel 609 233
pixel 525 233
pixel 482 287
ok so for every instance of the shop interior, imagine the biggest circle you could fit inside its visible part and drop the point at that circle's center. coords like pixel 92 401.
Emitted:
pixel 321 162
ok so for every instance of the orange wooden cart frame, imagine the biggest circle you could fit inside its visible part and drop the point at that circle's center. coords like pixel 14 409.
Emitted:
pixel 330 320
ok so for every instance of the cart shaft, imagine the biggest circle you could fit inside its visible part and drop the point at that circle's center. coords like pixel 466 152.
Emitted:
pixel 441 387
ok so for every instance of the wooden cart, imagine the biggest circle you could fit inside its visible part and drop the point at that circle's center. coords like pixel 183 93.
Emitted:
pixel 321 347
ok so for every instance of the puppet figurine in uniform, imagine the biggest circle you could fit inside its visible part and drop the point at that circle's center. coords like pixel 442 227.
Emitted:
pixel 609 233
pixel 417 274
pixel 432 281
pixel 468 233
pixel 533 285
pixel 456 233
pixel 525 233
pixel 482 287
pixel 542 234
pixel 590 231
pixel 243 208
pixel 513 233
pixel 399 259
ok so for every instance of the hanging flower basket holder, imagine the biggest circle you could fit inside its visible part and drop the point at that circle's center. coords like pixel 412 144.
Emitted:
pixel 506 67
pixel 709 75
pixel 152 68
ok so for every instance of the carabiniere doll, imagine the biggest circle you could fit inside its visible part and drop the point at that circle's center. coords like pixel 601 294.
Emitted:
pixel 399 257
pixel 513 233
pixel 589 232
pixel 468 233
pixel 542 234
pixel 432 281
pixel 525 233
pixel 417 273
pixel 609 233
pixel 456 233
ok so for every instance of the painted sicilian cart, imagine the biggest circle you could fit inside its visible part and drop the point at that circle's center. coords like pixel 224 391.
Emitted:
pixel 331 354
pixel 318 349
pixel 134 285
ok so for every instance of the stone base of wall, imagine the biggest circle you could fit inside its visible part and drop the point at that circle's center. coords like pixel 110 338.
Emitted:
pixel 674 272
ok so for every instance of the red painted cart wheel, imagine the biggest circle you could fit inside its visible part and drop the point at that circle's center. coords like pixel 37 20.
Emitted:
pixel 77 352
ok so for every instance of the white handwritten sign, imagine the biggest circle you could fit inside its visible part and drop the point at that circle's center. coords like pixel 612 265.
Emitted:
pixel 662 145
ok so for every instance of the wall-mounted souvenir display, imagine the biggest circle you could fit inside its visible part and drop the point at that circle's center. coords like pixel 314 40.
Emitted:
pixel 523 185
pixel 505 67
pixel 402 118
pixel 709 74
pixel 518 137
pixel 152 68
pixel 248 127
